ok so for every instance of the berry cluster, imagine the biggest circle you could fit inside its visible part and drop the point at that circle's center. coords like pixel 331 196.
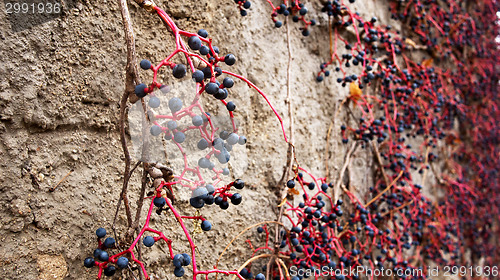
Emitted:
pixel 102 255
pixel 408 118
pixel 209 195
pixel 169 125
pixel 409 101
pixel 243 5
pixel 106 262
pixel 293 8
pixel 205 65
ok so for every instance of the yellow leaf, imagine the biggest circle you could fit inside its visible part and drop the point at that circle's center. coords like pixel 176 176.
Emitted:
pixel 293 192
pixel 355 91
pixel 282 202
pixel 410 42
pixel 427 62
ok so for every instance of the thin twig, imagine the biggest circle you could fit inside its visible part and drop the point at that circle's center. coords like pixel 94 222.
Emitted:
pixel 280 261
pixel 398 208
pixel 288 100
pixel 291 148
pixel 131 79
pixel 381 164
pixel 385 190
pixel 58 183
pixel 249 261
pixel 140 202
pixel 327 148
pixel 342 171
pixel 120 200
pixel 268 266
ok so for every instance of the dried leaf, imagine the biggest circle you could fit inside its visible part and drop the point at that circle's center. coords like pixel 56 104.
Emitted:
pixel 282 202
pixel 427 62
pixel 410 42
pixel 355 92
pixel 293 192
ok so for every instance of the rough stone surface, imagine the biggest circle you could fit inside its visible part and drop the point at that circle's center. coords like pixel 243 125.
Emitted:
pixel 60 85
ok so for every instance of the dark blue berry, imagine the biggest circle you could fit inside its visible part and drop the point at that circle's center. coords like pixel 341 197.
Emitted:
pixel 224 205
pixel 198 76
pixel 196 202
pixel 179 137
pixel 159 202
pixel 100 232
pixel 178 260
pixel 218 200
pixel 282 9
pixel 148 241
pixel 179 271
pixel 122 262
pixel 260 276
pixel 230 59
pixel 203 33
pixel 179 71
pixel 206 225
pixel 239 184
pixel 290 184
pixel 145 64
pixel 218 71
pixel 109 242
pixel 197 120
pixel 97 252
pixel 244 272
pixel 202 144
pixel 174 104
pixel 210 199
pixel 236 198
pixel 228 82
pixel 89 262
pixel 139 90
pixel 103 256
pixel 221 94
pixel 204 50
pixel 187 259
pixel 110 270
pixel 212 88
pixel 194 42
pixel 230 106
pixel 207 71
pixel 247 4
